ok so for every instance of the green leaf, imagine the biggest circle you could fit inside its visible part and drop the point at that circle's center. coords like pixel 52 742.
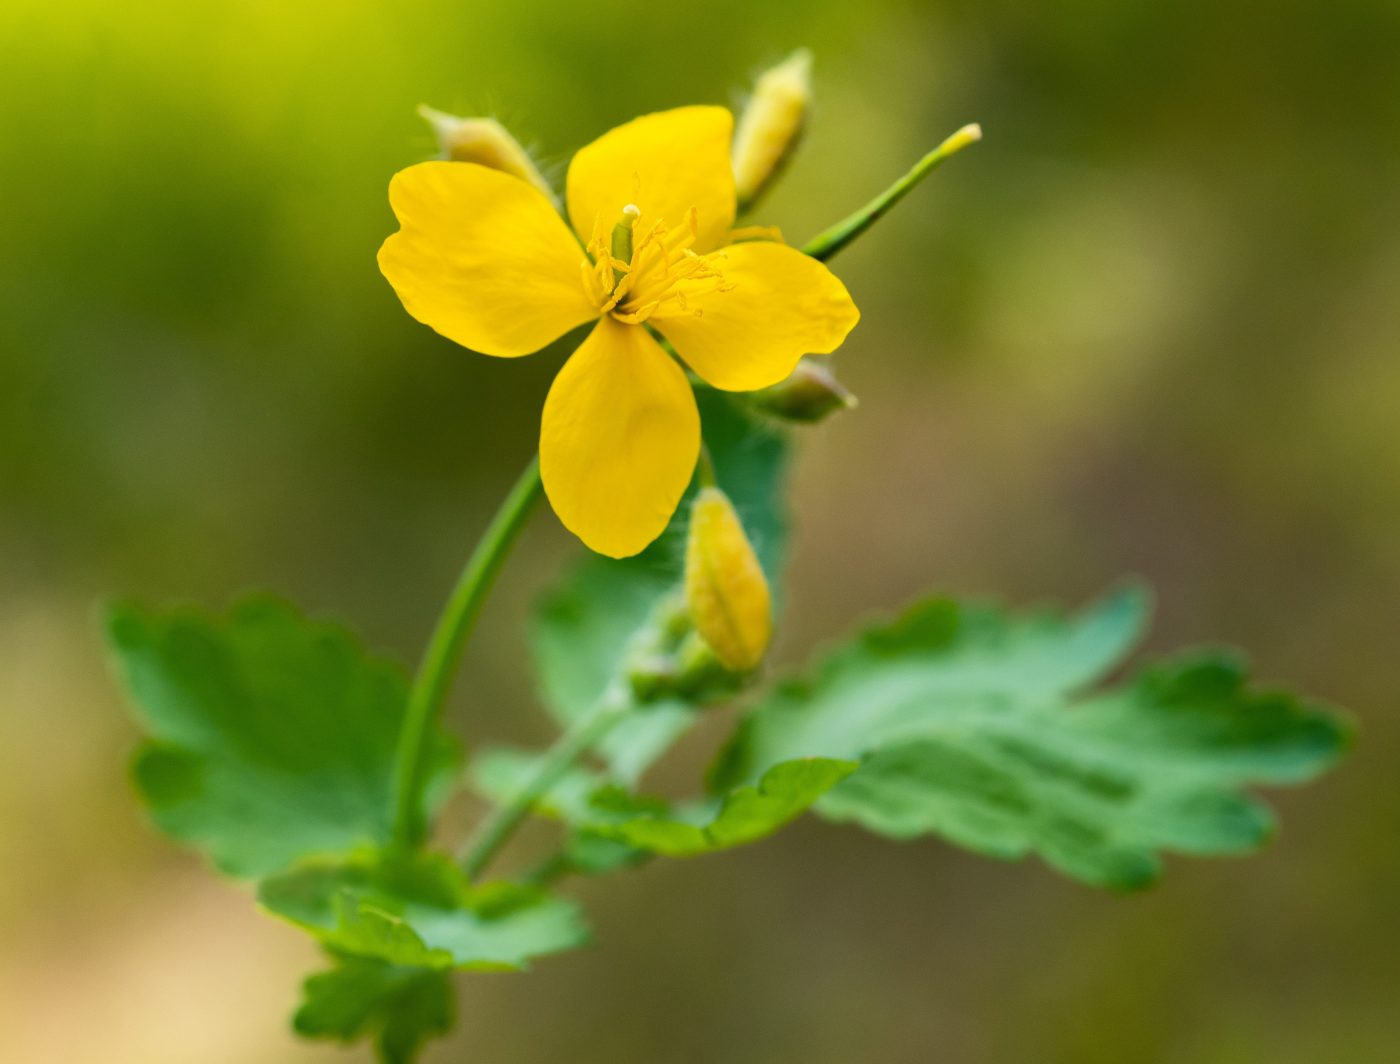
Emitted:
pixel 271 736
pixel 587 628
pixel 745 815
pixel 598 809
pixel 985 728
pixel 422 913
pixel 401 1008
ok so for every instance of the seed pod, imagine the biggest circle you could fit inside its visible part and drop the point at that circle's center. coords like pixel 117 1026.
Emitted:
pixel 725 586
pixel 484 141
pixel 810 394
pixel 771 125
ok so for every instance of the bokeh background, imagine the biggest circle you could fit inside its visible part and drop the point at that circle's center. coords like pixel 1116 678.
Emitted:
pixel 1149 325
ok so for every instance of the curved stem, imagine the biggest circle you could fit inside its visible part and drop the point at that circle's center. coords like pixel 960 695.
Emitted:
pixel 445 649
pixel 495 831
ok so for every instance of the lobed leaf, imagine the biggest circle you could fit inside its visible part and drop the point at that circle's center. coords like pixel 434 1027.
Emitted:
pixel 421 912
pixel 984 728
pixel 271 737
pixel 400 1008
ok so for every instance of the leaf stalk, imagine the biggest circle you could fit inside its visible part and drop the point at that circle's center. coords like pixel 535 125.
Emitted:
pixel 498 827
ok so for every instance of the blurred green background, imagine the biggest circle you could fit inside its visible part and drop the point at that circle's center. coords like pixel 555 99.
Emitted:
pixel 1149 325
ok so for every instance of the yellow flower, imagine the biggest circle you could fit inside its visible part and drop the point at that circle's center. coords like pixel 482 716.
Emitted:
pixel 483 258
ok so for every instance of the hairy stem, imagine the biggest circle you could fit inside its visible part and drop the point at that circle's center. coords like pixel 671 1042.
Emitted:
pixel 495 831
pixel 434 677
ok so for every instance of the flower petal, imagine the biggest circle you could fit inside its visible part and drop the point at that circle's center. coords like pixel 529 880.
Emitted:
pixel 619 439
pixel 782 305
pixel 666 163
pixel 483 258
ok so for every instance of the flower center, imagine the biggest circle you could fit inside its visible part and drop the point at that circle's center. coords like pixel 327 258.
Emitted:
pixel 644 268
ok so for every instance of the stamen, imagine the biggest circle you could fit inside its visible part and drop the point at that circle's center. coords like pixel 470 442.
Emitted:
pixel 636 273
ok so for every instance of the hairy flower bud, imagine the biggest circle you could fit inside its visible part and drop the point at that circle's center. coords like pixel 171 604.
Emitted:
pixel 724 584
pixel 484 141
pixel 771 125
pixel 809 395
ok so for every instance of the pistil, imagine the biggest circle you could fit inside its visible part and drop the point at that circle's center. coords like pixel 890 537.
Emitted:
pixel 637 272
pixel 622 242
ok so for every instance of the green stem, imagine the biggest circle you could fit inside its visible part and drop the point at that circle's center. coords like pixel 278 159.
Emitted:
pixel 549 871
pixel 445 649
pixel 828 243
pixel 495 831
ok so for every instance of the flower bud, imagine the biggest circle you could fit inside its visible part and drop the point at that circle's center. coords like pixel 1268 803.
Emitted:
pixel 810 394
pixel 484 141
pixel 725 586
pixel 771 125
